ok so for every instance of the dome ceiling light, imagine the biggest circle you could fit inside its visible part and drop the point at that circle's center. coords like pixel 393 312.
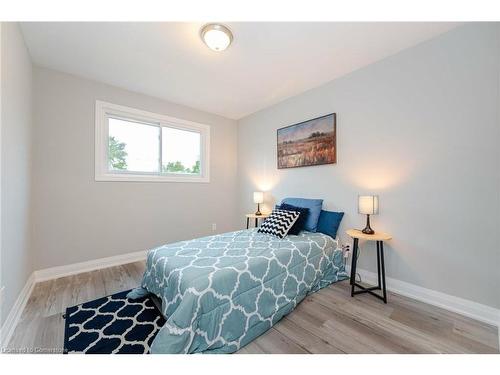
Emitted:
pixel 217 37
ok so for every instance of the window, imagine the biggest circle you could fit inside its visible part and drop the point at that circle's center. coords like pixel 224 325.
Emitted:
pixel 134 145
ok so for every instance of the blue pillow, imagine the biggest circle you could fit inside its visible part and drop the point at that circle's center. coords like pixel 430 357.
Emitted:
pixel 300 222
pixel 314 206
pixel 329 222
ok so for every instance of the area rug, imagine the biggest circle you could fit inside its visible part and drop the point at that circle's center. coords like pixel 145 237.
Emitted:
pixel 112 325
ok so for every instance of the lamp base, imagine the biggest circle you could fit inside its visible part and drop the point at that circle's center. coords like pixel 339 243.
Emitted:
pixel 368 229
pixel 258 213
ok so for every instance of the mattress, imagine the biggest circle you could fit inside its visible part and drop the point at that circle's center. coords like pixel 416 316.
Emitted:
pixel 220 292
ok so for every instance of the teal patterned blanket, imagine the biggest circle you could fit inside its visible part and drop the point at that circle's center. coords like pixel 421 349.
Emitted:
pixel 220 292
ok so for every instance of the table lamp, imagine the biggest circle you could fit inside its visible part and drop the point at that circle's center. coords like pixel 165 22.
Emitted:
pixel 368 205
pixel 258 197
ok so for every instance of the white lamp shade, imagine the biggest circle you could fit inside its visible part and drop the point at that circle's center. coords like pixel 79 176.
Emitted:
pixel 258 197
pixel 368 204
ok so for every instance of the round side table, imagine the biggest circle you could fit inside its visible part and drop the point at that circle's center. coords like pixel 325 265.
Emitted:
pixel 256 217
pixel 379 237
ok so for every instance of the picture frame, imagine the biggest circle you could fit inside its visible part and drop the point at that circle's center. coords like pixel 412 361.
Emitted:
pixel 308 143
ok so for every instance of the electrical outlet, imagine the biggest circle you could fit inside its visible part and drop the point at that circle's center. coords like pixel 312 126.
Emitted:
pixel 214 227
pixel 347 251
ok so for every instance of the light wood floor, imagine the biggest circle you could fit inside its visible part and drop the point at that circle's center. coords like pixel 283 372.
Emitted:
pixel 329 321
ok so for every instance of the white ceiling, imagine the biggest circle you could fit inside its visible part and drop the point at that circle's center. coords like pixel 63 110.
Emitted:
pixel 266 63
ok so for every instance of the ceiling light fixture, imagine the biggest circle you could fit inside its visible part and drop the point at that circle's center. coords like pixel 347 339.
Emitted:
pixel 217 37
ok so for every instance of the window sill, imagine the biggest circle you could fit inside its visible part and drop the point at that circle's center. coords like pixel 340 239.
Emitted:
pixel 149 178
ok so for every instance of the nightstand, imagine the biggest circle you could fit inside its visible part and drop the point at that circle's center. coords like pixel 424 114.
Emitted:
pixel 256 217
pixel 379 237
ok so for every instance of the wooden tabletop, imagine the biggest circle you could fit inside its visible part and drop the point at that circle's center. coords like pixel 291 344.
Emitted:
pixel 377 236
pixel 253 216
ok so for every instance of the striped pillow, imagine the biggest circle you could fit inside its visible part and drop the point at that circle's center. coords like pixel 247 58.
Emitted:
pixel 279 223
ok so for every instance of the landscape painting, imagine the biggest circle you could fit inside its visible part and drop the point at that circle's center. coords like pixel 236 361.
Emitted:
pixel 311 142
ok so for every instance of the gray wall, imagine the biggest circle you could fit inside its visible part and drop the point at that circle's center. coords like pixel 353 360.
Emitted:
pixel 76 219
pixel 16 261
pixel 421 129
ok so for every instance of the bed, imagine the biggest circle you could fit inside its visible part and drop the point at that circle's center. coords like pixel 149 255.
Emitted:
pixel 220 292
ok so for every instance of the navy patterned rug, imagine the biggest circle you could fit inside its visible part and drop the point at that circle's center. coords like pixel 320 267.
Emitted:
pixel 112 324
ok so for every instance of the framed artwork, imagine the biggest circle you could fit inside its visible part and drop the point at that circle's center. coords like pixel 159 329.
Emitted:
pixel 312 142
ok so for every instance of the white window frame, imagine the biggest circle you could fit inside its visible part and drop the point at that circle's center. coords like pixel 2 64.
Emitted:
pixel 103 111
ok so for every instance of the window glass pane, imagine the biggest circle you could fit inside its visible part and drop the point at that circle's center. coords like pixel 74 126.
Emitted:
pixel 180 151
pixel 133 146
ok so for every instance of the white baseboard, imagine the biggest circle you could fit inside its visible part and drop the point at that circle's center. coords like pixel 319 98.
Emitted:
pixel 471 309
pixel 15 312
pixel 55 273
pixel 91 265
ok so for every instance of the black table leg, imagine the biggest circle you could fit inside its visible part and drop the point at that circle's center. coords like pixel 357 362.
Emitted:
pixel 256 222
pixel 248 221
pixel 378 265
pixel 353 264
pixel 383 270
pixel 380 273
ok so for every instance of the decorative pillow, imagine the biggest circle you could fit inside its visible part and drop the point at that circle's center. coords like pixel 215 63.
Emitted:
pixel 329 222
pixel 314 206
pixel 299 224
pixel 279 223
